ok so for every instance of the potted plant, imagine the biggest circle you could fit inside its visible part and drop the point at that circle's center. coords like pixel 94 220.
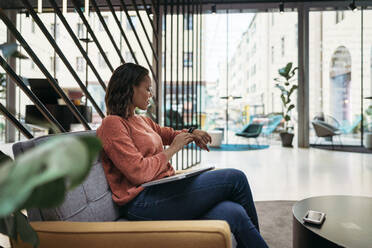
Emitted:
pixel 285 83
pixel 39 179
pixel 8 50
pixel 368 128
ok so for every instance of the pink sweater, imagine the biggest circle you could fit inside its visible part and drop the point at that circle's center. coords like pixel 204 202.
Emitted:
pixel 133 154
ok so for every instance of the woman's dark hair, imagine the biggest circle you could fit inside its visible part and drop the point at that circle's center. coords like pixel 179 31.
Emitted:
pixel 119 92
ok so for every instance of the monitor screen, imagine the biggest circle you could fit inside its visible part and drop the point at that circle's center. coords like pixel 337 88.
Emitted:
pixel 43 90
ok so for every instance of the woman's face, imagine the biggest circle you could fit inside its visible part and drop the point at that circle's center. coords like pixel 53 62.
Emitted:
pixel 142 94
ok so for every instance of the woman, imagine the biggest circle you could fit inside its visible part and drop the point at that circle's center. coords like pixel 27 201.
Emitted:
pixel 134 154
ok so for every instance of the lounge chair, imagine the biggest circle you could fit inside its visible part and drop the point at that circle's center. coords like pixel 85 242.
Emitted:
pixel 251 131
pixel 274 121
pixel 325 130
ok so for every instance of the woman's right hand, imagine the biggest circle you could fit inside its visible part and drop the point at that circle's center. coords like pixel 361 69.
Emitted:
pixel 181 140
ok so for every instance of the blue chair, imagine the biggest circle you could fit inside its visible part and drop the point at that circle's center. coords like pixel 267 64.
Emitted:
pixel 346 127
pixel 251 131
pixel 274 121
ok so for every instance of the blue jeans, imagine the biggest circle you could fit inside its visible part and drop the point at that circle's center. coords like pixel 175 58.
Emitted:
pixel 213 195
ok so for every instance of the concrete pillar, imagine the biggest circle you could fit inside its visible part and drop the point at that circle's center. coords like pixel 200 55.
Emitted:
pixel 303 76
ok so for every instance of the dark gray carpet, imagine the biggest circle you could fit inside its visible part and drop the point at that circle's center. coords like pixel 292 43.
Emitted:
pixel 343 148
pixel 275 218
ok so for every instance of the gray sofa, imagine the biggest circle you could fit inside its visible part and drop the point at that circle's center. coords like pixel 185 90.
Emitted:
pixel 92 202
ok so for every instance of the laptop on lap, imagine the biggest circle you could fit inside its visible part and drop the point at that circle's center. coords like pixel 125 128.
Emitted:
pixel 177 177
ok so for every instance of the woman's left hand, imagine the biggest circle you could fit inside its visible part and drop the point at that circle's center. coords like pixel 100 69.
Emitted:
pixel 201 138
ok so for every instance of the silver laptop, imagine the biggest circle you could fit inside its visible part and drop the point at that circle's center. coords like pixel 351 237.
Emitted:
pixel 178 177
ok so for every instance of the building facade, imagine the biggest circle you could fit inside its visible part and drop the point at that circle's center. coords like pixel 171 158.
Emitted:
pixel 337 73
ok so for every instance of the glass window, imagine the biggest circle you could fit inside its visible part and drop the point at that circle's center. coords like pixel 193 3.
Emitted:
pixel 52 60
pixel 52 26
pixel 261 97
pixel 163 24
pixel 370 72
pixel 296 34
pixel 80 64
pixel 100 26
pixel 80 30
pixel 253 71
pixel 187 62
pixel 133 18
pixel 32 26
pixel 129 57
pixel 101 61
pixel 254 28
pixel 188 21
pixel 335 74
pixel 340 15
pixel 163 59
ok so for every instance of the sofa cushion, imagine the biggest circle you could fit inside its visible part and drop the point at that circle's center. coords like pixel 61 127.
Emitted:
pixel 90 201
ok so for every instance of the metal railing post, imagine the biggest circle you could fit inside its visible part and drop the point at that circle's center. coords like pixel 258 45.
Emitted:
pixel 102 20
pixel 121 30
pixel 15 122
pixel 77 42
pixel 42 68
pixel 62 56
pixel 89 29
pixel 40 106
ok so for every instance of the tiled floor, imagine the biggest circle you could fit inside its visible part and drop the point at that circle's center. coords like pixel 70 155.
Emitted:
pixel 280 173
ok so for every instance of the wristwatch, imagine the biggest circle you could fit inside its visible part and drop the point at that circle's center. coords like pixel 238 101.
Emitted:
pixel 191 129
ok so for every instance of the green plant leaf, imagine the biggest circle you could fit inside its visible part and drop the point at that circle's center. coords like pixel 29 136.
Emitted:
pixel 281 88
pixel 17 226
pixel 294 87
pixel 58 163
pixel 48 195
pixel 290 107
pixel 24 229
pixel 284 72
pixel 287 118
pixel 283 100
pixel 293 72
pixel 8 226
pixel 5 165
pixel 4 158
pixel 5 169
pixel 369 110
pixel 94 145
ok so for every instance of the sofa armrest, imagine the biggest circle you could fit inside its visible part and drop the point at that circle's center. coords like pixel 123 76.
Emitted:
pixel 133 234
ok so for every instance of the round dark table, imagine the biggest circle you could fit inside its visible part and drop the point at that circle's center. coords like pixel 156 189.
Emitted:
pixel 348 222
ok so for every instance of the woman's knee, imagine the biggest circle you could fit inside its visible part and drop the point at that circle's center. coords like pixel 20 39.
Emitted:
pixel 231 212
pixel 236 176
